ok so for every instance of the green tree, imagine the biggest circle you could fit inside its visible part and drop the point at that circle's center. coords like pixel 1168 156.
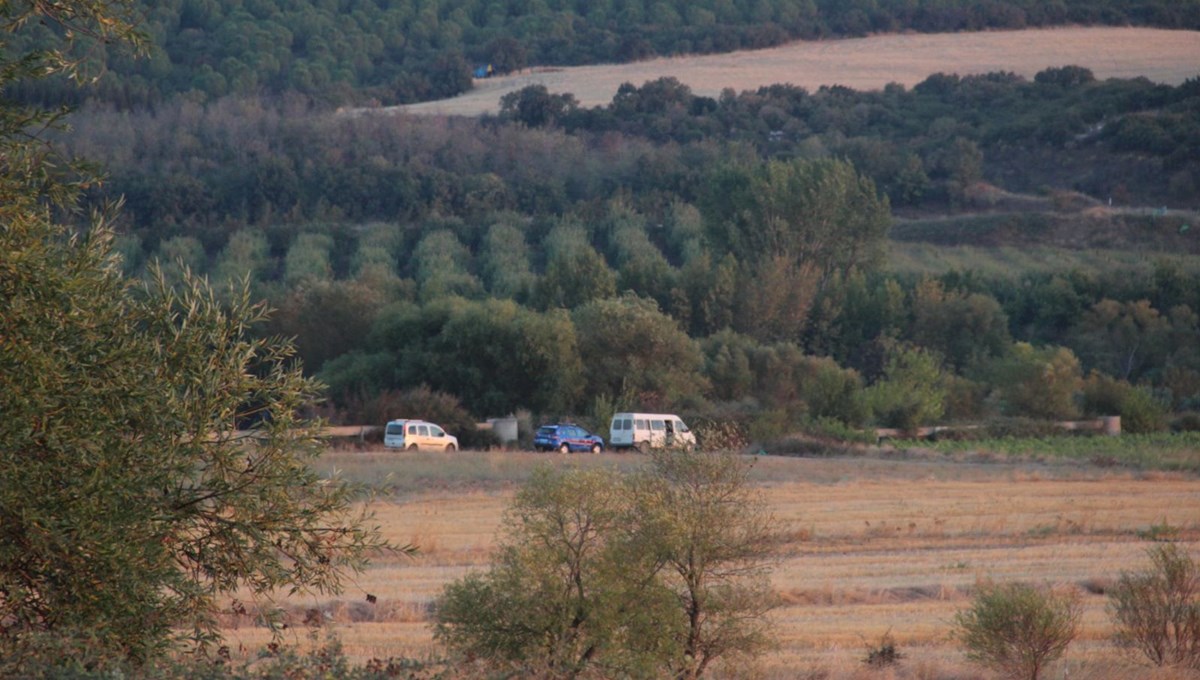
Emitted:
pixel 442 266
pixel 573 279
pixel 912 391
pixel 505 55
pixel 328 319
pixel 628 346
pixel 534 106
pixel 1140 409
pixel 965 328
pixel 1157 610
pixel 657 574
pixel 246 255
pixel 180 254
pixel 1036 382
pixel 793 227
pixel 307 260
pixel 711 532
pixel 504 262
pixel 1121 338
pixel 130 504
pixel 1017 629
pixel 560 599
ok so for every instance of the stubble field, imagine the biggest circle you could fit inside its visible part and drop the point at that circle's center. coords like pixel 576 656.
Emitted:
pixel 867 546
pixel 863 64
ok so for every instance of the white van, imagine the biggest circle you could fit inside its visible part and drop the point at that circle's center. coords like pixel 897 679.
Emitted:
pixel 644 431
pixel 418 435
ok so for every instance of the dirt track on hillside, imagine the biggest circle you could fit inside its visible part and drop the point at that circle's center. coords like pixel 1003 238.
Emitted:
pixel 864 64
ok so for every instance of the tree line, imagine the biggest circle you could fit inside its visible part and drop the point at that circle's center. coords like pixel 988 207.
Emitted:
pixel 200 169
pixel 489 259
pixel 399 52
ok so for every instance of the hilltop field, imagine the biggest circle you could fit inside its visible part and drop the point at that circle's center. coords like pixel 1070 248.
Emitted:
pixel 863 64
pixel 889 543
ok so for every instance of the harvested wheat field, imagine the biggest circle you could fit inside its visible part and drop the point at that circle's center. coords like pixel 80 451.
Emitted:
pixel 867 547
pixel 863 64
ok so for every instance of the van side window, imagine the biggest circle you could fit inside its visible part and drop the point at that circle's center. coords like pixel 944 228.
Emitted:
pixel 641 424
pixel 657 425
pixel 436 431
pixel 424 430
pixel 680 427
pixel 412 429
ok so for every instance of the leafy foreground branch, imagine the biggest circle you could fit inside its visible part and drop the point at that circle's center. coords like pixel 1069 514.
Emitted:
pixel 657 574
pixel 127 510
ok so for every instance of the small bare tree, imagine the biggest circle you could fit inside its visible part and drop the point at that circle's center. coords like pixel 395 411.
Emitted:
pixel 1017 629
pixel 1156 612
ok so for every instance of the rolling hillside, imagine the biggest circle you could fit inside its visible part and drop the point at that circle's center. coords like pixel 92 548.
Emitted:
pixel 862 64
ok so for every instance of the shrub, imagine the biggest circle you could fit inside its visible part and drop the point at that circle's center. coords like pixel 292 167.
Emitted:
pixel 1140 411
pixel 1157 611
pixel 658 574
pixel 884 654
pixel 1186 422
pixel 1017 629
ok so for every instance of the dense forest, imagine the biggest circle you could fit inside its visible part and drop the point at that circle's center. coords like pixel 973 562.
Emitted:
pixel 731 258
pixel 404 51
pixel 727 258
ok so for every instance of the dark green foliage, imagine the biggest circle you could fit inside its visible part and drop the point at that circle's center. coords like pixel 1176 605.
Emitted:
pixel 411 208
pixel 534 106
pixel 1138 407
pixel 495 355
pixel 154 458
pixel 793 228
pixel 627 345
pixel 408 51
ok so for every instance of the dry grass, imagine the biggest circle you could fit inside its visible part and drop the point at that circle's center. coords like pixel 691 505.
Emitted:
pixel 866 547
pixel 864 64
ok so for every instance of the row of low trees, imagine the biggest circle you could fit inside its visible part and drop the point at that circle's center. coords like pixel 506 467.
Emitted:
pixel 782 252
pixel 928 145
pixel 195 169
pixel 408 51
pixel 504 335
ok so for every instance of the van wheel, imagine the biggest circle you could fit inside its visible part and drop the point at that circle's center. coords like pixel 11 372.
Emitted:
pixel 643 447
pixel 450 448
pixel 564 449
pixel 596 448
pixel 412 447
